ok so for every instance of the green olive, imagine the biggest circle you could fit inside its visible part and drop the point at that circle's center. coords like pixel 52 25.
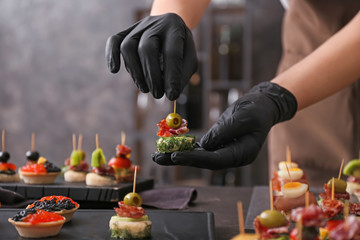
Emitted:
pixel 272 219
pixel 173 120
pixel 133 199
pixel 339 185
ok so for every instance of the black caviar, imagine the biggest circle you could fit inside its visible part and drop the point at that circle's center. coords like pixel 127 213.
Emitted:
pixel 52 205
pixel 8 172
pixel 23 213
pixel 51 167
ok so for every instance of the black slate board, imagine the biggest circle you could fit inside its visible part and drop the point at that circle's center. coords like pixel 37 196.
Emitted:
pixel 79 191
pixel 94 224
pixel 260 201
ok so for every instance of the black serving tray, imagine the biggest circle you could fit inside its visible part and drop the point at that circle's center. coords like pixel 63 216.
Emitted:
pixel 79 191
pixel 94 224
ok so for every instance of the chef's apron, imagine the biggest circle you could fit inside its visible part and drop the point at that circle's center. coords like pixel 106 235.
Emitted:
pixel 321 135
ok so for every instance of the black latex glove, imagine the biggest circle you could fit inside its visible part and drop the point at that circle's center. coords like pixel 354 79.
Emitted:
pixel 159 53
pixel 237 137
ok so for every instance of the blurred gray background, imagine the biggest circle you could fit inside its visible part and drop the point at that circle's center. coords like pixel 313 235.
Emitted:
pixel 54 80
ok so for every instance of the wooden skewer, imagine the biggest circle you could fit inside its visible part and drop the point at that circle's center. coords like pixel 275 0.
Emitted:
pixel 135 178
pixel 288 172
pixel 341 167
pixel 174 106
pixel 33 142
pixel 288 156
pixel 346 213
pixel 74 141
pixel 123 138
pixel 97 140
pixel 3 140
pixel 241 217
pixel 299 227
pixel 271 196
pixel 332 188
pixel 307 199
pixel 80 142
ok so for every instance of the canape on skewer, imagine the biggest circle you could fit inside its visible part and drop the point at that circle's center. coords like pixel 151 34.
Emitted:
pixel 76 167
pixel 101 174
pixel 7 170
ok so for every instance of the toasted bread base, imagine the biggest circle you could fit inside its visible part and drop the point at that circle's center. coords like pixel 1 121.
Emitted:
pixel 74 176
pixel 93 179
pixel 9 178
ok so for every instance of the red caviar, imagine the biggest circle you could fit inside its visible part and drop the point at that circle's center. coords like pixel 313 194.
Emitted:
pixel 58 198
pixel 42 216
pixel 7 166
pixel 36 168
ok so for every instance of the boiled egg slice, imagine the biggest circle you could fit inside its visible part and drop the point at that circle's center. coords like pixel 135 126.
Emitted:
pixel 294 189
pixel 295 174
pixel 282 165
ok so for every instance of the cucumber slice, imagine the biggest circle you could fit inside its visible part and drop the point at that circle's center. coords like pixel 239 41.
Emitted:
pixel 351 166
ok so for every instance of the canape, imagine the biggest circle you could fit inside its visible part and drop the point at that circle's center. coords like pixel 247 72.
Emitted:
pixel 39 172
pixel 61 205
pixel 130 220
pixel 101 174
pixel 37 223
pixel 121 163
pixel 7 170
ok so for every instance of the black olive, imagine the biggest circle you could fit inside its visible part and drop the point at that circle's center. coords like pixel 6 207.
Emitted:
pixel 4 157
pixel 32 155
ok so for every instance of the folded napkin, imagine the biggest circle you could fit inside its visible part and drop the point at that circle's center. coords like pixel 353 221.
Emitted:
pixel 12 199
pixel 169 198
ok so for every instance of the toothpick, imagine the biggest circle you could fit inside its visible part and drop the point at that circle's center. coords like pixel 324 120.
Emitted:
pixel 123 138
pixel 271 196
pixel 74 141
pixel 33 142
pixel 341 167
pixel 3 140
pixel 288 172
pixel 241 217
pixel 174 106
pixel 346 213
pixel 97 140
pixel 135 178
pixel 299 227
pixel 307 199
pixel 288 156
pixel 332 188
pixel 80 142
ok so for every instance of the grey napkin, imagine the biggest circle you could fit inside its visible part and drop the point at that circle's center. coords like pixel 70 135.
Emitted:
pixel 169 198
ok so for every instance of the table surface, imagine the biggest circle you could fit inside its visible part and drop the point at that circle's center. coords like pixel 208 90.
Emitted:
pixel 222 202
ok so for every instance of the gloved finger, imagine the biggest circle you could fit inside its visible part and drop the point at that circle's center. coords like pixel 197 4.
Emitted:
pixel 149 53
pixel 231 125
pixel 190 59
pixel 112 49
pixel 129 51
pixel 173 52
pixel 235 154
pixel 162 158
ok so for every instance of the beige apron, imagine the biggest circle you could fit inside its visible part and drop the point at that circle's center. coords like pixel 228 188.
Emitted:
pixel 322 135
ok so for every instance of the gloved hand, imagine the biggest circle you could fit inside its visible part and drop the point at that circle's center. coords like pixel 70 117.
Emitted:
pixel 237 137
pixel 159 53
